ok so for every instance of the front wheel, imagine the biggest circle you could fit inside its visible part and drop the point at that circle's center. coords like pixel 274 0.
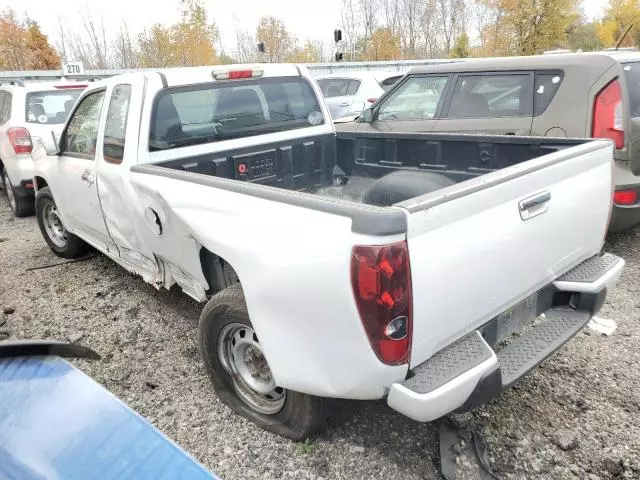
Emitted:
pixel 241 376
pixel 64 244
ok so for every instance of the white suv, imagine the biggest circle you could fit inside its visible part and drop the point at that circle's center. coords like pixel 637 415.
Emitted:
pixel 29 112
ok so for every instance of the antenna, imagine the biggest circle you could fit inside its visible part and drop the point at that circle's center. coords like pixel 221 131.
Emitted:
pixel 623 36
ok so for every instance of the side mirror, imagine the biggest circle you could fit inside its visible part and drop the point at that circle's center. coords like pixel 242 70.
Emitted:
pixel 52 147
pixel 366 116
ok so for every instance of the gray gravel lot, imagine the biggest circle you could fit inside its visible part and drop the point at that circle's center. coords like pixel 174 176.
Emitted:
pixel 577 416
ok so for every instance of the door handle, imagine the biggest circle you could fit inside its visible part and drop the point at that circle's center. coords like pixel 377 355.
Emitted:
pixel 88 177
pixel 345 104
pixel 534 205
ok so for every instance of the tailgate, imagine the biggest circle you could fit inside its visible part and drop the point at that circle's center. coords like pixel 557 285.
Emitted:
pixel 481 246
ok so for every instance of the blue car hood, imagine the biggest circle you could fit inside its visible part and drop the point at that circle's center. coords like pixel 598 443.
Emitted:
pixel 57 423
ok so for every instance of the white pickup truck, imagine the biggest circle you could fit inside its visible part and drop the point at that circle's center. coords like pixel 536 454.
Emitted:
pixel 411 267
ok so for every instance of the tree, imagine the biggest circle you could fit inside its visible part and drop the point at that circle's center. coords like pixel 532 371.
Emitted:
pixel 461 48
pixel 188 43
pixel 156 47
pixel 584 37
pixel 125 50
pixel 451 18
pixel 383 45
pixel 528 28
pixel 620 15
pixel 23 46
pixel 277 40
pixel 194 36
pixel 309 53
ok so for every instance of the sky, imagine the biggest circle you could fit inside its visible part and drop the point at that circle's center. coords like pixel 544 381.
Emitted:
pixel 304 18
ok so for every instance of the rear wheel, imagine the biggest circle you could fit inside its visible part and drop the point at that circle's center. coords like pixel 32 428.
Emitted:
pixel 241 376
pixel 20 206
pixel 64 244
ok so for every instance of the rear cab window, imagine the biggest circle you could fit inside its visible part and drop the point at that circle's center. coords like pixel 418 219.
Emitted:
pixel 632 77
pixel 491 95
pixel 50 106
pixel 211 112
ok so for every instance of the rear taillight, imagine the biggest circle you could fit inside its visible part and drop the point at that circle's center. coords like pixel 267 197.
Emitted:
pixel 20 140
pixel 236 74
pixel 381 280
pixel 77 85
pixel 371 100
pixel 608 121
pixel 625 197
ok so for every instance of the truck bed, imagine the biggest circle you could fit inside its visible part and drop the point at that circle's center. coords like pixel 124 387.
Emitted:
pixel 346 165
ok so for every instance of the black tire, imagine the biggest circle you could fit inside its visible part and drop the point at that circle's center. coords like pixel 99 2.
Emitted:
pixel 73 247
pixel 402 185
pixel 20 206
pixel 300 416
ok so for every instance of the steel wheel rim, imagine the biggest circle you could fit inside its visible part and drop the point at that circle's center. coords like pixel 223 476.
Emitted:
pixel 10 195
pixel 241 356
pixel 54 226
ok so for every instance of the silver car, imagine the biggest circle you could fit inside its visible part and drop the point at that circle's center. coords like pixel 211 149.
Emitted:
pixel 348 94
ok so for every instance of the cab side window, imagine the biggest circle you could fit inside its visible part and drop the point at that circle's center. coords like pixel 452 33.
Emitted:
pixel 416 99
pixel 81 136
pixel 545 89
pixel 116 124
pixel 487 96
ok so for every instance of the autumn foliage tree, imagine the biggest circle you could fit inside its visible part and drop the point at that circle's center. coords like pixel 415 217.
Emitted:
pixel 276 38
pixel 528 28
pixel 23 46
pixel 190 42
pixel 619 16
pixel 383 45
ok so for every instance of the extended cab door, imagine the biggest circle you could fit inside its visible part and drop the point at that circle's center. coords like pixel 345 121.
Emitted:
pixel 490 103
pixel 118 154
pixel 73 183
pixel 411 107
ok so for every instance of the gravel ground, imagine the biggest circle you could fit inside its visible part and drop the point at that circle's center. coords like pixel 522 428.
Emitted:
pixel 574 417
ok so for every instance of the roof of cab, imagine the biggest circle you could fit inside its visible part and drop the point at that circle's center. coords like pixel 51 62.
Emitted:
pixel 44 86
pixel 595 59
pixel 189 75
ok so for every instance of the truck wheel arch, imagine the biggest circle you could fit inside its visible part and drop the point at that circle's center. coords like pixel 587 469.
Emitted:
pixel 40 182
pixel 219 273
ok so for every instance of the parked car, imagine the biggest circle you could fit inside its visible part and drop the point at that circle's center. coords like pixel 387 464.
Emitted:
pixel 560 95
pixel 348 94
pixel 27 113
pixel 360 265
pixel 58 423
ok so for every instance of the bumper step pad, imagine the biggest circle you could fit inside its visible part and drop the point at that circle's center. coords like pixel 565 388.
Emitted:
pixel 590 270
pixel 450 362
pixel 527 351
pixel 514 360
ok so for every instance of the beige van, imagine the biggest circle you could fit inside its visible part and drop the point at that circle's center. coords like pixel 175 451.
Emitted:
pixel 562 95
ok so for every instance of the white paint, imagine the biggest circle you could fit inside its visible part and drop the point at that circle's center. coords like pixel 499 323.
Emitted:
pixel 471 257
pixel 430 406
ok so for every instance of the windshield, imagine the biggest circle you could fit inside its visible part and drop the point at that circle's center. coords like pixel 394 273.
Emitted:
pixel 206 113
pixel 50 107
pixel 632 75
